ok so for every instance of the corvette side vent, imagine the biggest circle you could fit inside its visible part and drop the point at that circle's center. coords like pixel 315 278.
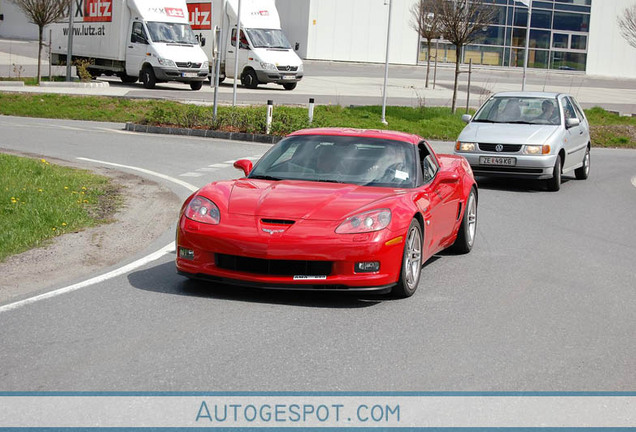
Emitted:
pixel 278 221
pixel 459 211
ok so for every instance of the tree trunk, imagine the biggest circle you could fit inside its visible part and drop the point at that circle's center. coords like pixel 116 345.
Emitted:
pixel 458 53
pixel 428 63
pixel 41 32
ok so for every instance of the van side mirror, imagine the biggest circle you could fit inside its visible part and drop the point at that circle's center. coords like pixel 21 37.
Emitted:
pixel 297 46
pixel 202 41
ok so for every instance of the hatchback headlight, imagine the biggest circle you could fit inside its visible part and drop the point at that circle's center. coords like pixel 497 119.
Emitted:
pixel 465 146
pixel 536 149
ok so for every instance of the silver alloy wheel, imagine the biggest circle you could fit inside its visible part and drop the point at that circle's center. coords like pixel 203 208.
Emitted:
pixel 471 213
pixel 413 257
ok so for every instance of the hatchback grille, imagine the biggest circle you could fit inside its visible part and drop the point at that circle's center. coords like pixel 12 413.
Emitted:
pixel 287 68
pixel 273 267
pixel 189 65
pixel 506 148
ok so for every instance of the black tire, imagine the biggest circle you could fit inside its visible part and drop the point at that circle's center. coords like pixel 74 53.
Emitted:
pixel 125 78
pixel 584 172
pixel 468 228
pixel 411 267
pixel 147 77
pixel 249 79
pixel 554 184
pixel 196 85
pixel 289 86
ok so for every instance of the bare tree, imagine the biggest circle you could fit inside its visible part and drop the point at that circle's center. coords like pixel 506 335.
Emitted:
pixel 426 23
pixel 627 24
pixel 463 21
pixel 42 13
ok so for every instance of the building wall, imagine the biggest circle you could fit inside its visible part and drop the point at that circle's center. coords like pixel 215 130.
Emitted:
pixel 350 30
pixel 14 24
pixel 609 54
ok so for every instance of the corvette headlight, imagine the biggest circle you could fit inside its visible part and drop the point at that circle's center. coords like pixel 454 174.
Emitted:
pixel 465 146
pixel 203 210
pixel 166 62
pixel 536 149
pixel 374 220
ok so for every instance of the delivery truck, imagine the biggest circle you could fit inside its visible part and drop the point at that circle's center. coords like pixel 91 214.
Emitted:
pixel 264 53
pixel 149 40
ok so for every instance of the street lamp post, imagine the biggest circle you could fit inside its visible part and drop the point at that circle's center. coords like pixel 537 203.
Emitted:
pixel 386 64
pixel 238 52
pixel 525 54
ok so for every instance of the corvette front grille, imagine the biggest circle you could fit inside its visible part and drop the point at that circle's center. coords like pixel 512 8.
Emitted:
pixel 273 267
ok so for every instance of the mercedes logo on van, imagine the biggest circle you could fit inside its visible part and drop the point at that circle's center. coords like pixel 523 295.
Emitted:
pixel 189 64
pixel 499 148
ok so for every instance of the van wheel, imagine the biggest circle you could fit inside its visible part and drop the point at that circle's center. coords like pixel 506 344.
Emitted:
pixel 584 172
pixel 554 184
pixel 148 78
pixel 196 85
pixel 289 86
pixel 249 79
pixel 125 78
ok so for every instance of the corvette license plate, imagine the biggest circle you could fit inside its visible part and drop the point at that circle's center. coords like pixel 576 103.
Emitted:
pixel 190 74
pixel 502 161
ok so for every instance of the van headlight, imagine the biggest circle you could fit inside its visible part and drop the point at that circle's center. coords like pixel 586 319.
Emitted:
pixel 205 65
pixel 166 62
pixel 536 149
pixel 466 147
pixel 268 66
pixel 300 68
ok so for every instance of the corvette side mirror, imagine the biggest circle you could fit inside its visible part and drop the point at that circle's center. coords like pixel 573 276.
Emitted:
pixel 447 177
pixel 244 165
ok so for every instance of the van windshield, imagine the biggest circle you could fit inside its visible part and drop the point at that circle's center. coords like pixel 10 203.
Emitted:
pixel 171 33
pixel 268 38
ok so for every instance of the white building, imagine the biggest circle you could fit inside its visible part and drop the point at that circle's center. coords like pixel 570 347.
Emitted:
pixel 565 34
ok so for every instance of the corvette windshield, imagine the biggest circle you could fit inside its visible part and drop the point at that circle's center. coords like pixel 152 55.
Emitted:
pixel 520 110
pixel 340 159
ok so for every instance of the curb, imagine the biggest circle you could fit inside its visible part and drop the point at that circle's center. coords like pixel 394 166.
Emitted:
pixel 11 83
pixel 100 84
pixel 204 133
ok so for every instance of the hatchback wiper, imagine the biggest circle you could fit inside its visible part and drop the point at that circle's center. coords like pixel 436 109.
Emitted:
pixel 485 121
pixel 520 122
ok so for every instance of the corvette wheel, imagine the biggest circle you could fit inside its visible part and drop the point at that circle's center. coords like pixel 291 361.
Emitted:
pixel 584 172
pixel 554 184
pixel 411 262
pixel 467 230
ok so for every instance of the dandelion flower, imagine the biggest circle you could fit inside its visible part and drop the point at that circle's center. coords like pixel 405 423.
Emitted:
pixel 63 223
pixel 53 229
pixel 65 187
pixel 43 160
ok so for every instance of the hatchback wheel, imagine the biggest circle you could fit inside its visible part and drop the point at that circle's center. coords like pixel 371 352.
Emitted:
pixel 584 172
pixel 554 184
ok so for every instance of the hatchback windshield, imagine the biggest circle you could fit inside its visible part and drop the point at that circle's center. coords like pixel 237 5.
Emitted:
pixel 339 159
pixel 522 110
pixel 171 33
pixel 268 38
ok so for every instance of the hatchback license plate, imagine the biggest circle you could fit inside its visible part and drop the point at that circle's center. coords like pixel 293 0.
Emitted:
pixel 503 161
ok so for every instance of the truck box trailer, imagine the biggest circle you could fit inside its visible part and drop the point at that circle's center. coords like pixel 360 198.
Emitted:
pixel 265 55
pixel 149 40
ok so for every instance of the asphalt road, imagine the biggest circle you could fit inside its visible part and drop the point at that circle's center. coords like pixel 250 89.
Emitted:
pixel 544 302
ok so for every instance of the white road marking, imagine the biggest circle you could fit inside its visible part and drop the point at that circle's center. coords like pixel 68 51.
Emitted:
pixel 206 170
pixel 117 272
pixel 220 165
pixel 145 171
pixel 634 181
pixel 190 174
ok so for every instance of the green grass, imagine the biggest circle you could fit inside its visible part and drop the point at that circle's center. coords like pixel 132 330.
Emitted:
pixel 40 200
pixel 608 130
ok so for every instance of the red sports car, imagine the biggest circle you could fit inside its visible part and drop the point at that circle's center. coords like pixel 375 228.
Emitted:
pixel 331 209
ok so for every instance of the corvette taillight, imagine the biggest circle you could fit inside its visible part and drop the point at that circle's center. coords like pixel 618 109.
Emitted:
pixel 203 210
pixel 370 221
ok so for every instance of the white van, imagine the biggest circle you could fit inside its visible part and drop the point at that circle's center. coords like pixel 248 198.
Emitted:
pixel 265 55
pixel 133 39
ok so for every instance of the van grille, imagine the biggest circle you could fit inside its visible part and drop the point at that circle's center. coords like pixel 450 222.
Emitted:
pixel 188 65
pixel 287 68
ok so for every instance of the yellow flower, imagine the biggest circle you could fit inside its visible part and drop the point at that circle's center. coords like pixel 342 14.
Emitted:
pixel 85 201
pixel 65 187
pixel 40 190
pixel 53 229
pixel 43 160
pixel 63 223
pixel 83 188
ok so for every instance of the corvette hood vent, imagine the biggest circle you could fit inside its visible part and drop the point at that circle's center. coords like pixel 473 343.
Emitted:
pixel 278 221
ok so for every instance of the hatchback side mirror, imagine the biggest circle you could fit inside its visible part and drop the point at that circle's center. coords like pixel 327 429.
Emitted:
pixel 466 118
pixel 572 122
pixel 244 165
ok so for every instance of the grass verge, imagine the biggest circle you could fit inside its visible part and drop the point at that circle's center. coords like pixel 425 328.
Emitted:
pixel 607 129
pixel 40 200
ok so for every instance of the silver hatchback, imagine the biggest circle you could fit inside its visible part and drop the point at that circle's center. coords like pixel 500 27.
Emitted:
pixel 527 134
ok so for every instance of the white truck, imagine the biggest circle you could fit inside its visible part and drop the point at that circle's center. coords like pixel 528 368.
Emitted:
pixel 149 40
pixel 265 55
